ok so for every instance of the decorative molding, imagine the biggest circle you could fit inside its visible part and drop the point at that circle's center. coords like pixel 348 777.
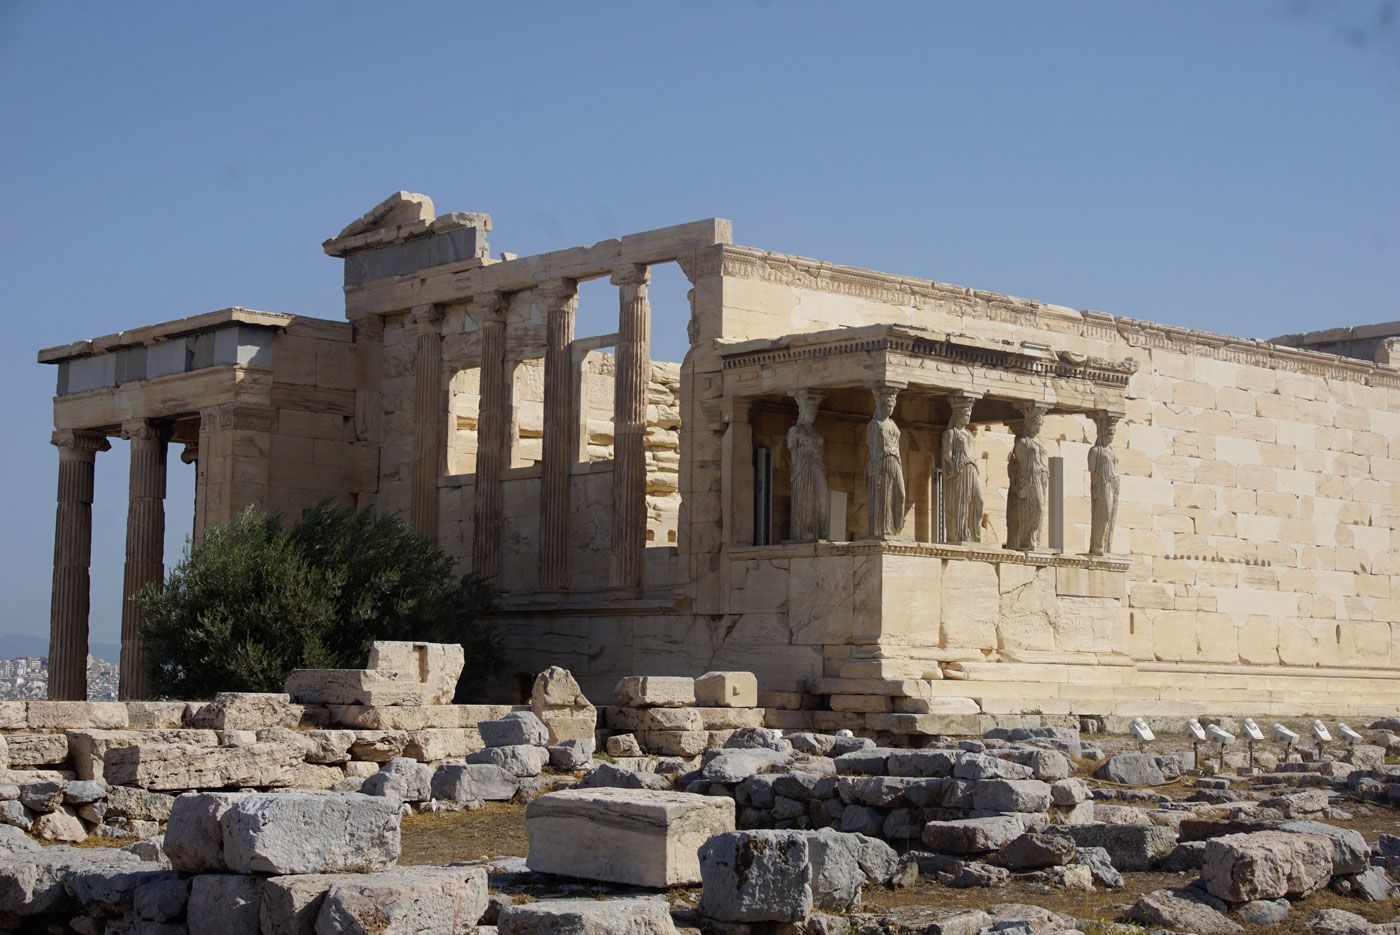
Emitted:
pixel 750 263
pixel 1099 370
pixel 82 442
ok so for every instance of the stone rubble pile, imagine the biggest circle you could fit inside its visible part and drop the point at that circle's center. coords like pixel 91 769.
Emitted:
pixel 679 716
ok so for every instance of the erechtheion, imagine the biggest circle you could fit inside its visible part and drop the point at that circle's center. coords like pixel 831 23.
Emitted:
pixel 894 499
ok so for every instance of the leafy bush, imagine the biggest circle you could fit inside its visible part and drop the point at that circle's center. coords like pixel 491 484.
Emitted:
pixel 254 599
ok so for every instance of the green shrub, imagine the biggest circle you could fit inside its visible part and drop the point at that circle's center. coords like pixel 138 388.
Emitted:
pixel 254 599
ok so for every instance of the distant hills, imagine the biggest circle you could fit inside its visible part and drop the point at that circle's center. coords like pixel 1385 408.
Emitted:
pixel 14 645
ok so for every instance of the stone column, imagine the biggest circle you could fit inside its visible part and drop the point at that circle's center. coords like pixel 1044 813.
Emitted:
pixel 190 455
pixel 145 542
pixel 428 422
pixel 72 556
pixel 560 432
pixel 630 426
pixel 492 434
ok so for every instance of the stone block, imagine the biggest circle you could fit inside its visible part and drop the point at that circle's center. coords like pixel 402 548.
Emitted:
pixel 435 666
pixel 654 719
pixel 714 719
pixel 756 876
pixel 352 687
pixel 248 711
pixel 378 746
pixel 300 832
pixel 1350 852
pixel 87 749
pixel 182 766
pixel 194 839
pixel 1011 795
pixel 655 691
pixel 674 742
pixel 1132 848
pixel 972 835
pixel 61 715
pixel 727 690
pixel 225 904
pixel 28 751
pixel 406 901
pixel 472 782
pixel 158 715
pixel 518 727
pixel 519 759
pixel 634 836
pixel 628 915
pixel 401 778
pixel 440 743
pixel 1266 865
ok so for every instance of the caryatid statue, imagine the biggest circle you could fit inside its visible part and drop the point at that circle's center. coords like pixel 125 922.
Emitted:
pixel 807 456
pixel 884 473
pixel 1103 486
pixel 1028 470
pixel 962 489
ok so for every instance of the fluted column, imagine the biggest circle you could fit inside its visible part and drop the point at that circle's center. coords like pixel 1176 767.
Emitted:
pixel 429 424
pixel 72 556
pixel 145 542
pixel 560 432
pixel 492 434
pixel 630 426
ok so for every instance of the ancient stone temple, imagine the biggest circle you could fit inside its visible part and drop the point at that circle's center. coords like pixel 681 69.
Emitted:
pixel 893 499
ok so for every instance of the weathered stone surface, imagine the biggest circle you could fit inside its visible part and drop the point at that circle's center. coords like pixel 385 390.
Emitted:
pixel 181 766
pixel 1177 911
pixel 407 901
pixel 843 864
pixel 1350 852
pixel 756 876
pixel 161 898
pixel 61 715
pixel 87 749
pixel 378 746
pixel 194 840
pixel 157 715
pixel 1132 769
pixel 1036 851
pixel 470 782
pixel 111 891
pixel 352 687
pixel 518 760
pixel 28 751
pixel 640 837
pixel 441 743
pixel 1131 848
pixel 560 704
pixel 610 776
pixel 1266 865
pixel 518 727
pixel 656 691
pixel 401 778
pixel 738 765
pixel 570 755
pixel 632 915
pixel 980 766
pixel 623 745
pixel 138 804
pixel 225 903
pixel 34 882
pixel 42 797
pixel 247 711
pixel 298 832
pixel 727 690
pixel 651 719
pixel 59 826
pixel 1264 912
pixel 435 666
pixel 1011 795
pixel 972 835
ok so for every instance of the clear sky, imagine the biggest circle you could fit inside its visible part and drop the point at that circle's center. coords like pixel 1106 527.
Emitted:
pixel 1227 166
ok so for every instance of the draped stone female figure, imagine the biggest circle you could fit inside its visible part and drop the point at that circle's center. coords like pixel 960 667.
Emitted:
pixel 1028 470
pixel 1103 486
pixel 884 474
pixel 962 490
pixel 807 456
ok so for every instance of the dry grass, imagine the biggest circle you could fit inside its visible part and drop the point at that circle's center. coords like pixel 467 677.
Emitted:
pixel 497 830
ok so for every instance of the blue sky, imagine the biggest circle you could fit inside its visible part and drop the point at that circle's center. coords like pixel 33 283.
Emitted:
pixel 1221 166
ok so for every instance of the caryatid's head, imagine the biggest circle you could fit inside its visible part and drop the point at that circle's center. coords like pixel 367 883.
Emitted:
pixel 1108 425
pixel 885 399
pixel 1033 421
pixel 960 412
pixel 807 405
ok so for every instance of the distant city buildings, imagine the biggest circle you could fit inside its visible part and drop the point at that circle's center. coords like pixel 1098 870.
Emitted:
pixel 28 677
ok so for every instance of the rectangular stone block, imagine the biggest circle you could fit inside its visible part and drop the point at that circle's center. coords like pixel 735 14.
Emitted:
pixel 727 690
pixel 435 666
pixel 27 751
pixel 352 687
pixel 442 743
pixel 60 715
pixel 638 837
pixel 87 749
pixel 656 691
pixel 713 719
pixel 183 766
pixel 248 711
pixel 158 714
pixel 299 832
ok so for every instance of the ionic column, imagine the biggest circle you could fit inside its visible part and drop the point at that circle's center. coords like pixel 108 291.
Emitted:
pixel 560 431
pixel 190 455
pixel 72 556
pixel 145 543
pixel 429 426
pixel 492 434
pixel 630 426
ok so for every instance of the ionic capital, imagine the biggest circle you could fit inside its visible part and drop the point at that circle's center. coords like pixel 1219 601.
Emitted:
pixel 147 430
pixel 633 274
pixel 68 440
pixel 190 454
pixel 558 291
pixel 489 306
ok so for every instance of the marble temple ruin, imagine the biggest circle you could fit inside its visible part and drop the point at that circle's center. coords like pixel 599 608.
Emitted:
pixel 892 499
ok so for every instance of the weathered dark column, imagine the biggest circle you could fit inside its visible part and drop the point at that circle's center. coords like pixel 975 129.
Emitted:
pixel 630 426
pixel 145 543
pixel 492 434
pixel 72 557
pixel 560 432
pixel 429 424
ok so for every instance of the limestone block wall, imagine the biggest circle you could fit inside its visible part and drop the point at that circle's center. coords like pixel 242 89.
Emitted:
pixel 1259 496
